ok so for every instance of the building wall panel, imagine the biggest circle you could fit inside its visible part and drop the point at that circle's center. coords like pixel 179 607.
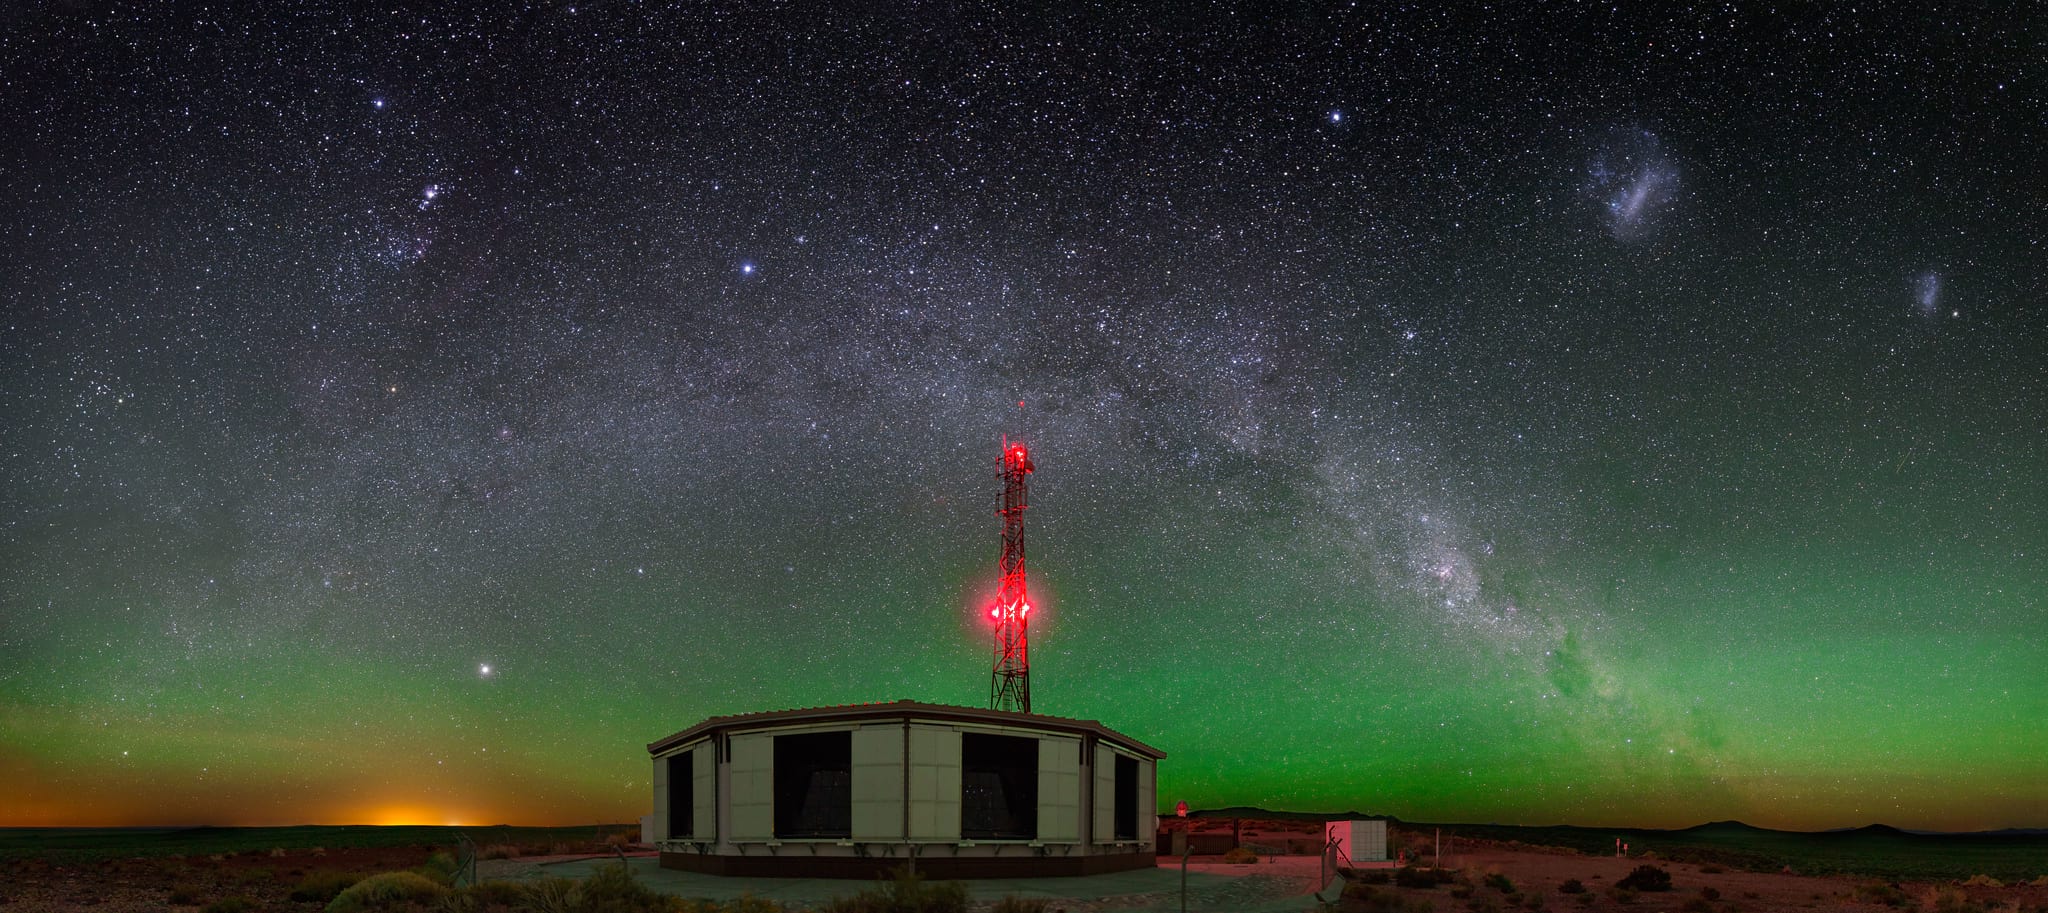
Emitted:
pixel 704 792
pixel 1369 840
pixel 1104 795
pixel 1059 790
pixel 753 787
pixel 878 783
pixel 934 783
pixel 1148 803
pixel 660 817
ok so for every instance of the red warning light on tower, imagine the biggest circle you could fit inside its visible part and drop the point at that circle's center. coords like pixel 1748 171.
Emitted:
pixel 1016 459
pixel 1010 681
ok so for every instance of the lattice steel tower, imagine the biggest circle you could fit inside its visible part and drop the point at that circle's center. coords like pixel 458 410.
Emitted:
pixel 1009 687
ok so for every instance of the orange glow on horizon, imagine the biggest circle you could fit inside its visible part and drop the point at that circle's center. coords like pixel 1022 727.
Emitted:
pixel 408 815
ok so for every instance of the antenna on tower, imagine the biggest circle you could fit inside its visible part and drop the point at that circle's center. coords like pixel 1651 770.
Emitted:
pixel 1009 686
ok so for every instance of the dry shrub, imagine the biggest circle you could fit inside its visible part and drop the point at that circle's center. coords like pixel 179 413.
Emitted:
pixel 1711 869
pixel 611 889
pixel 1621 895
pixel 498 851
pixel 1412 877
pixel 1948 900
pixel 1360 898
pixel 907 892
pixel 1878 892
pixel 439 867
pixel 747 903
pixel 276 852
pixel 1983 881
pixel 486 897
pixel 235 904
pixel 621 840
pixel 1696 905
pixel 1646 878
pixel 1572 886
pixel 553 895
pixel 390 890
pixel 565 849
pixel 322 885
pixel 1240 856
pixel 1014 904
pixel 185 895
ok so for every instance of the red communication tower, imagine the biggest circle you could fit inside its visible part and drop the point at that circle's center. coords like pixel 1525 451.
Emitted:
pixel 1009 687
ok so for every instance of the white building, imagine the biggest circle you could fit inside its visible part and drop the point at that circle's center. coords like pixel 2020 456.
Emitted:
pixel 856 790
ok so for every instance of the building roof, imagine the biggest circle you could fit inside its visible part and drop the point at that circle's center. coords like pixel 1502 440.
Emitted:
pixel 903 710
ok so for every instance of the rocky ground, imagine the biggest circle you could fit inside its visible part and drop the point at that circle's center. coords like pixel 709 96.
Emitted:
pixel 1535 881
pixel 1487 879
pixel 181 883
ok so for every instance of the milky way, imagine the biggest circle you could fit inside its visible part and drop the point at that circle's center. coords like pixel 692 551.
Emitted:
pixel 409 416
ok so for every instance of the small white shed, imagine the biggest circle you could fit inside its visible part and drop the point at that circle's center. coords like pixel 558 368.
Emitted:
pixel 1357 840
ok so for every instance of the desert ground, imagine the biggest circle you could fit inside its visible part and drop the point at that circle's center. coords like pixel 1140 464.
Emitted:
pixel 182 883
pixel 1480 877
pixel 1534 878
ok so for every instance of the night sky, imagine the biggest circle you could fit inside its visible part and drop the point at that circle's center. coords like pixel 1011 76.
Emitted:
pixel 1604 416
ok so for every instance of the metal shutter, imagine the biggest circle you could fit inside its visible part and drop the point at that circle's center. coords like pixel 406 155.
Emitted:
pixel 1059 790
pixel 878 783
pixel 934 783
pixel 753 787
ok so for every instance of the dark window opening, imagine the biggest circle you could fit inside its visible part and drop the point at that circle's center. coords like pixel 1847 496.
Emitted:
pixel 814 785
pixel 682 795
pixel 998 787
pixel 1126 798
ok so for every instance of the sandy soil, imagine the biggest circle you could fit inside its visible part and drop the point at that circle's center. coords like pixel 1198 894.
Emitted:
pixel 119 886
pixel 124 885
pixel 1693 888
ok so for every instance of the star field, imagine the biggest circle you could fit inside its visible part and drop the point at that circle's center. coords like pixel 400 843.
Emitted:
pixel 1597 415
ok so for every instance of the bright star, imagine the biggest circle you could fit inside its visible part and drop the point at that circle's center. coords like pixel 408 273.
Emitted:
pixel 1336 117
pixel 484 670
pixel 746 269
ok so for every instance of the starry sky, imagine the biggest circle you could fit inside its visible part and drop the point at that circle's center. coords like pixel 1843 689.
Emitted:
pixel 1542 414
